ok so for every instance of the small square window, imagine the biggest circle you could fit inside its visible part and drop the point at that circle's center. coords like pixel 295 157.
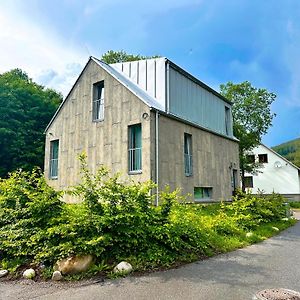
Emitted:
pixel 248 181
pixel 263 158
pixel 202 193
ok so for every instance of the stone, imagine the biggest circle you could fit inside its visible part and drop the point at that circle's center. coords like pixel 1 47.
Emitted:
pixel 123 267
pixel 3 273
pixel 29 274
pixel 56 276
pixel 74 264
pixel 249 234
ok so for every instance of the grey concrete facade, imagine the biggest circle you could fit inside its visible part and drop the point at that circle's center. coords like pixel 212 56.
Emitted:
pixel 106 142
pixel 214 158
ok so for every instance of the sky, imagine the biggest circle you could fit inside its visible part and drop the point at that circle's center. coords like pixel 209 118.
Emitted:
pixel 215 40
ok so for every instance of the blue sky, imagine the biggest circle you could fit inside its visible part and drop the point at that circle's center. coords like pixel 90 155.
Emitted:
pixel 215 40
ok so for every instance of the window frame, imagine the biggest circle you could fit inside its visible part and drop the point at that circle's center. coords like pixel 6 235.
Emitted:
pixel 250 185
pixel 134 151
pixel 98 102
pixel 188 154
pixel 227 120
pixel 53 161
pixel 209 192
pixel 263 158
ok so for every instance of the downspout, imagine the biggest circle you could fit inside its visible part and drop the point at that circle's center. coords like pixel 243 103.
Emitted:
pixel 167 88
pixel 156 157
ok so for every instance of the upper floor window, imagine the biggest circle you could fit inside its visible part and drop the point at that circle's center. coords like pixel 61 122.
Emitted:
pixel 188 159
pixel 227 120
pixel 53 166
pixel 135 148
pixel 98 101
pixel 263 158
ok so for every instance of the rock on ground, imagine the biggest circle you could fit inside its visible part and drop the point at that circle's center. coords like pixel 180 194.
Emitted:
pixel 74 264
pixel 29 274
pixel 123 267
pixel 3 273
pixel 56 276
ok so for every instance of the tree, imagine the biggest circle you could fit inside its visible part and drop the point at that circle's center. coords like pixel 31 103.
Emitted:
pixel 252 117
pixel 25 110
pixel 111 57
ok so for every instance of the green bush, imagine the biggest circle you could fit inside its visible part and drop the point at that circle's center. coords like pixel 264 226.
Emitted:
pixel 28 207
pixel 252 210
pixel 118 221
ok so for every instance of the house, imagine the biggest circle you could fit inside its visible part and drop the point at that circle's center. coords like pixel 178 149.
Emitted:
pixel 147 119
pixel 277 174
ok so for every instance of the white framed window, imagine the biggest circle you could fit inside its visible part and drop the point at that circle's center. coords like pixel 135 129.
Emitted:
pixel 53 166
pixel 135 148
pixel 188 158
pixel 98 101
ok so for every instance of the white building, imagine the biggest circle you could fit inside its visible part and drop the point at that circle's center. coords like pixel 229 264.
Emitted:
pixel 277 174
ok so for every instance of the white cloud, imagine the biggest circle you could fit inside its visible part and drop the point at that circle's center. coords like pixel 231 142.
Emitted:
pixel 37 49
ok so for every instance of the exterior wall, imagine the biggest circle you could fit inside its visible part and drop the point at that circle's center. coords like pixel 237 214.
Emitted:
pixel 105 142
pixel 283 180
pixel 192 102
pixel 214 157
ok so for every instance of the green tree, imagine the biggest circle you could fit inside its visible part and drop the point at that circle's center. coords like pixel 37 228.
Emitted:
pixel 111 57
pixel 252 117
pixel 25 110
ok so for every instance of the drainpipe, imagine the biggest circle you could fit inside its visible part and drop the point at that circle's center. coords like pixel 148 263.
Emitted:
pixel 167 88
pixel 156 156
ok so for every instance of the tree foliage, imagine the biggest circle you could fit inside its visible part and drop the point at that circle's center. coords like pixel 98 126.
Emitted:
pixel 25 110
pixel 252 117
pixel 111 57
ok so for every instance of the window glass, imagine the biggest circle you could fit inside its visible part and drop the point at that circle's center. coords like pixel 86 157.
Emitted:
pixel 188 160
pixel 53 170
pixel 98 101
pixel 135 148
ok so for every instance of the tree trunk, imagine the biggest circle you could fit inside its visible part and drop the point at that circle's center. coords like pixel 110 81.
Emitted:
pixel 243 179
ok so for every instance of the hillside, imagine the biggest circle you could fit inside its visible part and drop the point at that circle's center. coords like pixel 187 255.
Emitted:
pixel 290 150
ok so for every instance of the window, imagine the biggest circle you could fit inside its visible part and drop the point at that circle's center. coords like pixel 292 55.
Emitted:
pixel 53 168
pixel 135 148
pixel 188 159
pixel 248 181
pixel 98 101
pixel 263 158
pixel 202 193
pixel 251 158
pixel 227 120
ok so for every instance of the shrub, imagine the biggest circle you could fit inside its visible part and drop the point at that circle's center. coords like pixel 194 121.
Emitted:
pixel 28 206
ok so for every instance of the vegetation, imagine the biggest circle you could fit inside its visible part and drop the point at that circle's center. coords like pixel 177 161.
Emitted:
pixel 252 117
pixel 111 57
pixel 117 221
pixel 290 150
pixel 25 110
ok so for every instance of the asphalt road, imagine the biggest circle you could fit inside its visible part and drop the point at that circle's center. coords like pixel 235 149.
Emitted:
pixel 274 263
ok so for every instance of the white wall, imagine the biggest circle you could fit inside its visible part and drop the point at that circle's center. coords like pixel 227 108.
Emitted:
pixel 282 180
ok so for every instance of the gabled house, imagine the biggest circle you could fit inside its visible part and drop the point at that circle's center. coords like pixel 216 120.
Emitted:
pixel 147 119
pixel 276 174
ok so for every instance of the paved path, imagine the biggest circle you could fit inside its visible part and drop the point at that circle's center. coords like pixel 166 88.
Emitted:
pixel 237 275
